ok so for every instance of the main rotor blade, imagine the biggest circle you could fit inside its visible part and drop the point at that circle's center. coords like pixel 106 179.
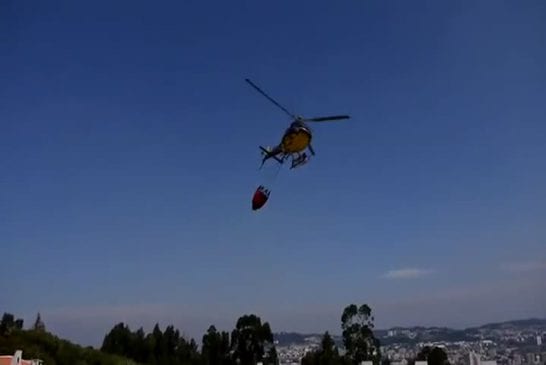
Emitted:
pixel 270 98
pixel 324 119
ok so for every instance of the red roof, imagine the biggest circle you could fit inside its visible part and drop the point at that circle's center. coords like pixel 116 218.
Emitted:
pixel 6 360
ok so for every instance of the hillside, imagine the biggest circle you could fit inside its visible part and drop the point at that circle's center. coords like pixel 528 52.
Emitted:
pixel 416 334
pixel 37 344
pixel 529 324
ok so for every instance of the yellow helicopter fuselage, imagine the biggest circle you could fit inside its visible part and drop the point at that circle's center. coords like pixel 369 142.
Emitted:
pixel 295 139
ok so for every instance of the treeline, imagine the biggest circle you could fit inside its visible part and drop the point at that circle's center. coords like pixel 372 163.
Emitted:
pixel 249 343
pixel 156 347
pixel 37 343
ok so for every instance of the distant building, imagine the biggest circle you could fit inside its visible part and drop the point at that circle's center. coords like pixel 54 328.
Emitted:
pixel 473 358
pixel 539 340
pixel 488 362
pixel 17 359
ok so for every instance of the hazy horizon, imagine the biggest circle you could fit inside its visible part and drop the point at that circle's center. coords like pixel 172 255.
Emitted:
pixel 451 309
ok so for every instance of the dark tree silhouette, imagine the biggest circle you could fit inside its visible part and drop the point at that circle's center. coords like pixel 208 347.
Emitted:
pixel 250 339
pixel 215 347
pixel 434 356
pixel 358 338
pixel 327 354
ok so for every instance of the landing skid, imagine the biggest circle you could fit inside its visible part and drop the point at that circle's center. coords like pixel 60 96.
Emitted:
pixel 297 159
pixel 300 160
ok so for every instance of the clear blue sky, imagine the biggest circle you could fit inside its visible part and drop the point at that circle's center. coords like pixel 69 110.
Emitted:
pixel 128 158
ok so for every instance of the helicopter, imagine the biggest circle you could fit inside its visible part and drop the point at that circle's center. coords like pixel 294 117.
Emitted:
pixel 296 138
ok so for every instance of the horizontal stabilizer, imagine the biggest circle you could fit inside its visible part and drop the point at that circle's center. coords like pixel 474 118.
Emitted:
pixel 268 154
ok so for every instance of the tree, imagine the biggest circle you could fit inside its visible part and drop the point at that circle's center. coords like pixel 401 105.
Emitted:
pixel 155 348
pixel 118 341
pixel 271 356
pixel 434 356
pixel 437 357
pixel 157 335
pixel 171 339
pixel 140 351
pixel 39 324
pixel 19 324
pixel 327 354
pixel 215 347
pixel 310 358
pixel 249 339
pixel 150 349
pixel 358 338
pixel 187 353
pixel 50 348
pixel 7 323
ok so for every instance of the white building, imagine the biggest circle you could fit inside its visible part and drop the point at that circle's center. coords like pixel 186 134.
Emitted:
pixel 17 359
pixel 474 358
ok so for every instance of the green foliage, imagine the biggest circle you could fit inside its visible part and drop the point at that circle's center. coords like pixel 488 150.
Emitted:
pixel 157 347
pixel 9 323
pixel 358 338
pixel 250 340
pixel 434 356
pixel 327 354
pixel 271 357
pixel 215 348
pixel 39 344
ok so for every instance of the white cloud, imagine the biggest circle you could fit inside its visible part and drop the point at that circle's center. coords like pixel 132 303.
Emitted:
pixel 408 273
pixel 525 266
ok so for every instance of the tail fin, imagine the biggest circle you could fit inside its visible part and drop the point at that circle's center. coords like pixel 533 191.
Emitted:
pixel 17 358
